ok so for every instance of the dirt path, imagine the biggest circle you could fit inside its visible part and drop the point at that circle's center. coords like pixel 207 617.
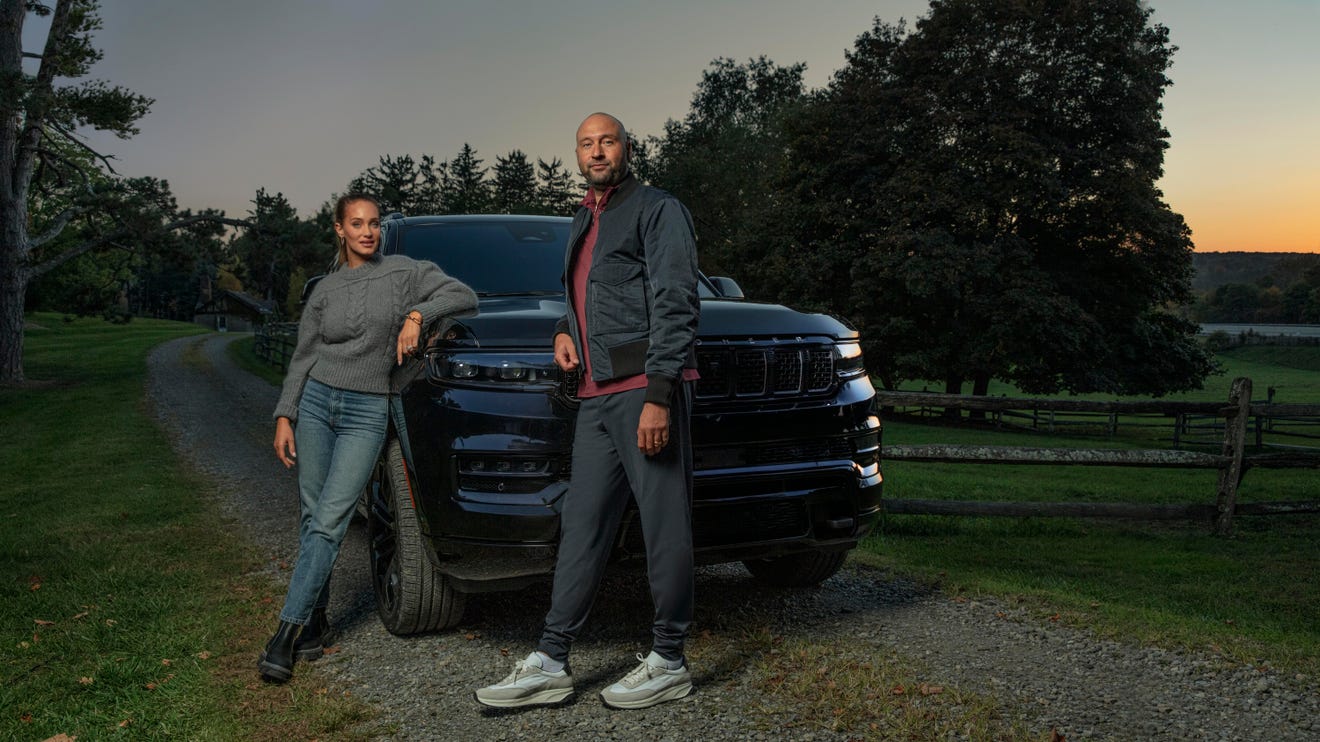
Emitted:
pixel 1055 677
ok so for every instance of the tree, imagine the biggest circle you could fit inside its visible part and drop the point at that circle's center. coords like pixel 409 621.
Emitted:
pixel 49 178
pixel 724 158
pixel 554 188
pixel 277 244
pixel 979 196
pixel 463 184
pixel 401 184
pixel 513 189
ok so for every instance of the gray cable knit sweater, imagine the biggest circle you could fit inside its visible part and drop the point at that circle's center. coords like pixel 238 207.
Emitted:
pixel 346 338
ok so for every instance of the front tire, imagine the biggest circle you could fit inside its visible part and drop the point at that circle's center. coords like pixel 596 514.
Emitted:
pixel 807 569
pixel 412 596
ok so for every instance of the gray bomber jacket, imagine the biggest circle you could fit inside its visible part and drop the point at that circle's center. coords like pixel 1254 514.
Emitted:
pixel 641 302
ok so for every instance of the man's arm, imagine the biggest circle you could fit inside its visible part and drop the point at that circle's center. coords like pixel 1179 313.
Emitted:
pixel 670 248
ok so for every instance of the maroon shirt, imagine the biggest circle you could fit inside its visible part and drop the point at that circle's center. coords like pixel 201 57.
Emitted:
pixel 589 387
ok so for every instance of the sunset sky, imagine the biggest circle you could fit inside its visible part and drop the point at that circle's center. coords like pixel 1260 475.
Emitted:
pixel 299 96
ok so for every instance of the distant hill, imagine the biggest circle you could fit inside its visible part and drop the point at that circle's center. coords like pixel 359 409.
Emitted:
pixel 1282 269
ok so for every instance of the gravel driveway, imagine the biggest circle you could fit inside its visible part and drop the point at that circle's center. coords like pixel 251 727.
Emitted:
pixel 1052 676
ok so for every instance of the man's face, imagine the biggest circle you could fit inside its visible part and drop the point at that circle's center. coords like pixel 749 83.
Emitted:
pixel 602 151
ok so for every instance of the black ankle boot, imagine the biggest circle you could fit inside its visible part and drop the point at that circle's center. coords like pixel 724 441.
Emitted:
pixel 276 664
pixel 314 637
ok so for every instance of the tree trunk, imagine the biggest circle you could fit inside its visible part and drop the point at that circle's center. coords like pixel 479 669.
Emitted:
pixel 952 385
pixel 980 387
pixel 13 293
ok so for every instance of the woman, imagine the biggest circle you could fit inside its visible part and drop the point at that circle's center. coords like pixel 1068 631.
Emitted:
pixel 336 394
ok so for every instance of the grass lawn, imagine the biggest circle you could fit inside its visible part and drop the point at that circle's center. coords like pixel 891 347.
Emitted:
pixel 127 606
pixel 1251 597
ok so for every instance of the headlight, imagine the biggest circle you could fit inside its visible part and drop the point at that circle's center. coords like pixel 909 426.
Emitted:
pixel 848 360
pixel 486 369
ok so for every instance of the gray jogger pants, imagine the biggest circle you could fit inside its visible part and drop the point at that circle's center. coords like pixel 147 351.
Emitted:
pixel 608 468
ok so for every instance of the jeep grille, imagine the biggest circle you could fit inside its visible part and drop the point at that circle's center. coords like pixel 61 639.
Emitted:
pixel 758 371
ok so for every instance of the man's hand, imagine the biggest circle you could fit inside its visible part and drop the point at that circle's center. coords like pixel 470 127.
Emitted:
pixel 565 354
pixel 284 448
pixel 653 428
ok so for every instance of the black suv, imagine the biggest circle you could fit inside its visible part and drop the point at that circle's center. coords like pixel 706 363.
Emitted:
pixel 467 493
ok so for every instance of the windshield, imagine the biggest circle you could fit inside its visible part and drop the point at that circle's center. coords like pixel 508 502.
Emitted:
pixel 497 257
pixel 512 257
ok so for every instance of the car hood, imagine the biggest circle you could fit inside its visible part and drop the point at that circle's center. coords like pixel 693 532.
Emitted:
pixel 529 321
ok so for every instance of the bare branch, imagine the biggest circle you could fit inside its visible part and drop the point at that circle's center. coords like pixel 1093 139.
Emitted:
pixel 52 263
pixel 57 225
pixel 31 55
pixel 73 139
pixel 47 154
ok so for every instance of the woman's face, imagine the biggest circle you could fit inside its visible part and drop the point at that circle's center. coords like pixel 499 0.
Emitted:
pixel 360 231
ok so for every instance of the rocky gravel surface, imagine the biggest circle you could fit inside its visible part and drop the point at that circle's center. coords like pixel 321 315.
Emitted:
pixel 1051 676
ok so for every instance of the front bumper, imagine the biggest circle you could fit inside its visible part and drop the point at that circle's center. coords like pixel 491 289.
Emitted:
pixel 767 483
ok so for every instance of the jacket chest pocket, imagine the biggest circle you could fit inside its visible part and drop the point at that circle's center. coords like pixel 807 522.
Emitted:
pixel 617 301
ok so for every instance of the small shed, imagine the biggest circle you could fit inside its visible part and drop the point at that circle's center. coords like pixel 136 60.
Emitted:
pixel 234 310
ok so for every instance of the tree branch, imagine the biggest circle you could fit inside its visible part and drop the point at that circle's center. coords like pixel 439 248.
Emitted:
pixel 38 104
pixel 47 266
pixel 57 225
pixel 73 139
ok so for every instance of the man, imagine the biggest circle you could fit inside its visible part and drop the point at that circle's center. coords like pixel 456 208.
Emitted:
pixel 631 286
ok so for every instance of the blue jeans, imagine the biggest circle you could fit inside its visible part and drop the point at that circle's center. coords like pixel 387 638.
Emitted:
pixel 338 437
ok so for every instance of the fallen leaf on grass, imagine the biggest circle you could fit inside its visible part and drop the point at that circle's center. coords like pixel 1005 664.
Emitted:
pixel 34 586
pixel 470 636
pixel 166 663
pixel 79 616
pixel 898 690
pixel 930 690
pixel 124 724
pixel 41 622
pixel 1056 737
pixel 331 650
pixel 322 691
pixel 26 718
pixel 1054 618
pixel 203 655
pixel 150 686
pixel 85 680
pixel 61 737
pixel 504 651
pixel 110 622
pixel 1000 614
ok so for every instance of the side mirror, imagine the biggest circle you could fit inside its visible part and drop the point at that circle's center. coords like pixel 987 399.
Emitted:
pixel 727 287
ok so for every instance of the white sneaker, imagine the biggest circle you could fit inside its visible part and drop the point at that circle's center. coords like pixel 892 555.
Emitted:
pixel 650 683
pixel 528 685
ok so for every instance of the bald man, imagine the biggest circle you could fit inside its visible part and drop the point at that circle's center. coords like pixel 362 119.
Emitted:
pixel 631 287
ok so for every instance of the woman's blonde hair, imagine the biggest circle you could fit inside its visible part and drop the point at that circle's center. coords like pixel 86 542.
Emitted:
pixel 341 206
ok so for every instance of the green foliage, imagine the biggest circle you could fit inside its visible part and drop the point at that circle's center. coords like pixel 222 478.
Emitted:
pixel 723 159
pixel 462 186
pixel 555 192
pixel 1293 297
pixel 278 244
pixel 513 189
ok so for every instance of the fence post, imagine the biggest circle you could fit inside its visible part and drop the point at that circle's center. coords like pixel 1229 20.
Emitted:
pixel 1236 418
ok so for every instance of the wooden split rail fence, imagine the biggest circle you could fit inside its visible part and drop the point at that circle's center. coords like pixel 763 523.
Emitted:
pixel 1232 462
pixel 274 343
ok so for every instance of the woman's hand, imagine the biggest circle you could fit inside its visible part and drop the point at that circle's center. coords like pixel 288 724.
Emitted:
pixel 409 336
pixel 284 448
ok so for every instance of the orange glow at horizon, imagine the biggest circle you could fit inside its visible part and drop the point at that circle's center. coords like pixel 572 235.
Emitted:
pixel 1253 224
